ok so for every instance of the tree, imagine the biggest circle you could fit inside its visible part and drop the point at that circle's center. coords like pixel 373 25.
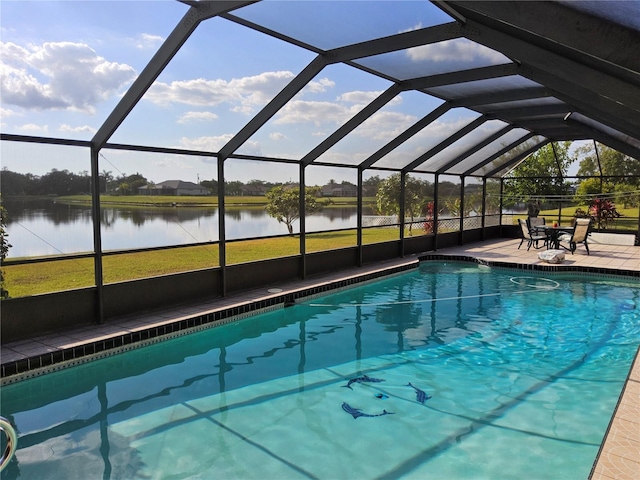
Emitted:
pixel 415 196
pixel 627 195
pixel 233 188
pixel 538 176
pixel 4 248
pixel 64 182
pixel 17 183
pixel 624 169
pixel 212 185
pixel 284 204
pixel 590 187
pixel 129 184
pixel 370 186
pixel 106 181
pixel 492 198
pixel 454 207
pixel 613 163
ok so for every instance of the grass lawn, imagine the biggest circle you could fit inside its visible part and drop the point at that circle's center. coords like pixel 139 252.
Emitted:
pixel 57 275
pixel 628 221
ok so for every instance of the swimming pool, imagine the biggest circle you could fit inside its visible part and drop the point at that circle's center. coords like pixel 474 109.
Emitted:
pixel 449 371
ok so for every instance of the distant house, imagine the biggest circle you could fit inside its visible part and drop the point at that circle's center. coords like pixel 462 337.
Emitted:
pixel 339 190
pixel 253 190
pixel 175 188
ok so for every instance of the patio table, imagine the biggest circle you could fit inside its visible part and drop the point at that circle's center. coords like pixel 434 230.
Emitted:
pixel 553 233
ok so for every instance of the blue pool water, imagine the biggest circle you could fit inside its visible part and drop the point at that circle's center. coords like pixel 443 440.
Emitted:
pixel 519 372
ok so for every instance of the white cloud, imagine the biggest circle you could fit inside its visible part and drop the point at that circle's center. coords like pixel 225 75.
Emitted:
pixel 359 97
pixel 189 117
pixel 343 158
pixel 336 113
pixel 173 163
pixel 424 140
pixel 59 75
pixel 319 86
pixel 215 143
pixel 7 112
pixel 243 109
pixel 147 41
pixel 299 111
pixel 82 129
pixel 385 125
pixel 276 136
pixel 206 144
pixel 417 27
pixel 250 148
pixel 19 88
pixel 441 129
pixel 245 94
pixel 33 128
pixel 459 50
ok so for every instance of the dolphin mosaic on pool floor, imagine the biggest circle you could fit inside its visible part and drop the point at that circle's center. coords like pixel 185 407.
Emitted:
pixel 619 456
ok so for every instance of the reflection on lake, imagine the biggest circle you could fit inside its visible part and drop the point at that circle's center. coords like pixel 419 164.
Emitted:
pixel 44 227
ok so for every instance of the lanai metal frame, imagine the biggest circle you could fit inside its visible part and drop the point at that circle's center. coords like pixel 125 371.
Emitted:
pixel 571 72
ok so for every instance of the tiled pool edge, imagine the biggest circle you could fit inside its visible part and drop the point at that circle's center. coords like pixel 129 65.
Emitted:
pixel 22 369
pixel 599 470
pixel 537 267
pixel 41 364
pixel 219 316
pixel 607 465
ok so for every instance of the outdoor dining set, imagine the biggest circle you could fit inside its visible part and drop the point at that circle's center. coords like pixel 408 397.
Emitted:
pixel 538 234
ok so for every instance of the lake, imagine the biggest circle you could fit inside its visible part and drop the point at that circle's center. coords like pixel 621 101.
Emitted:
pixel 44 227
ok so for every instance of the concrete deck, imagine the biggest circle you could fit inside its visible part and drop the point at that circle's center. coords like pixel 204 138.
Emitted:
pixel 620 454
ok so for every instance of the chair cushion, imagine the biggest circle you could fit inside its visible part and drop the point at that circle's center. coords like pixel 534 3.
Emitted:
pixel 565 237
pixel 552 256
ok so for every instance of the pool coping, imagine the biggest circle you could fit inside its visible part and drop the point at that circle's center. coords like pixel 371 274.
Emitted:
pixel 43 363
pixel 604 466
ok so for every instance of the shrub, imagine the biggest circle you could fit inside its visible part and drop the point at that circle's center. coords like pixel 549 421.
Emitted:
pixel 429 213
pixel 603 211
pixel 4 248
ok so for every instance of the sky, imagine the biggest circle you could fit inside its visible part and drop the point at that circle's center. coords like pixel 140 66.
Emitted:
pixel 66 64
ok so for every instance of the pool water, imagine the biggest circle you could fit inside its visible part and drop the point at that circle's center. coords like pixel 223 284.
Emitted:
pixel 449 371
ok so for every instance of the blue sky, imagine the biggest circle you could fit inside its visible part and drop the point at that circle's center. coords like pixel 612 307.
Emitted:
pixel 65 65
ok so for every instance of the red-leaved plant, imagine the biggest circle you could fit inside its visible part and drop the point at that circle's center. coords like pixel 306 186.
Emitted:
pixel 429 213
pixel 603 211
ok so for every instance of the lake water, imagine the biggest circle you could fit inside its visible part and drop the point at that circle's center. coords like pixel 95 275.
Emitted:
pixel 44 227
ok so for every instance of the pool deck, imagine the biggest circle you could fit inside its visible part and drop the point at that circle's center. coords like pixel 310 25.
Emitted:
pixel 619 457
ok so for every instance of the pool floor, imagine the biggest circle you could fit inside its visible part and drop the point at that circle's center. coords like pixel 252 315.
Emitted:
pixel 618 459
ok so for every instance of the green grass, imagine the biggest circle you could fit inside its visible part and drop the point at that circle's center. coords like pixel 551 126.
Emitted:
pixel 36 278
pixel 57 275
pixel 628 221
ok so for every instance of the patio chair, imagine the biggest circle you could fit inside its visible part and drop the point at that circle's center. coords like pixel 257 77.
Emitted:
pixel 530 236
pixel 534 222
pixel 580 234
